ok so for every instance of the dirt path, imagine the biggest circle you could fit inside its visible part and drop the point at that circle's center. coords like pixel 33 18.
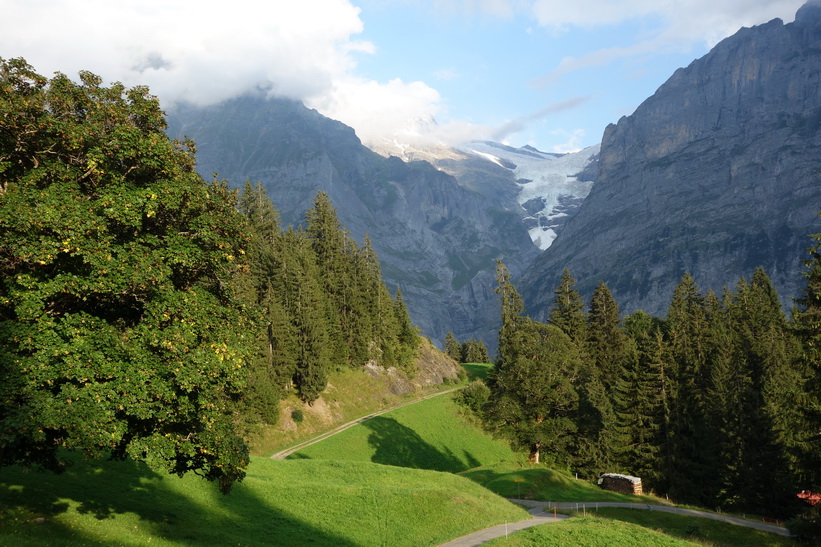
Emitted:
pixel 542 512
pixel 282 454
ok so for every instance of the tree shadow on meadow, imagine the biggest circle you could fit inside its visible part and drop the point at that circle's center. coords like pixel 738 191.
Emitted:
pixel 189 511
pixel 399 445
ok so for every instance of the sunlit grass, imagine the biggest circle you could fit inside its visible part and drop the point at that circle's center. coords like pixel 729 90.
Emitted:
pixel 477 370
pixel 279 503
pixel 519 479
pixel 706 530
pixel 590 532
pixel 432 434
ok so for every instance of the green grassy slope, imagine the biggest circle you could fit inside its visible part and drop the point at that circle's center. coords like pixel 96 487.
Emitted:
pixel 280 502
pixel 432 434
pixel 710 531
pixel 518 479
pixel 590 532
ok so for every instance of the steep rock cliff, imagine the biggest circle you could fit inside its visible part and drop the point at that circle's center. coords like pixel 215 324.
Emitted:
pixel 436 238
pixel 716 173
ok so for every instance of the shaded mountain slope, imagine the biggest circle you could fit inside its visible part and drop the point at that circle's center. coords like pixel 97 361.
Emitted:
pixel 437 239
pixel 715 174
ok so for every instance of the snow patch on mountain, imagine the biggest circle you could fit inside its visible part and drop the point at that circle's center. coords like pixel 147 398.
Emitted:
pixel 552 186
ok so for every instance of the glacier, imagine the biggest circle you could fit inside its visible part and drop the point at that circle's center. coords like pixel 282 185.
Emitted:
pixel 551 186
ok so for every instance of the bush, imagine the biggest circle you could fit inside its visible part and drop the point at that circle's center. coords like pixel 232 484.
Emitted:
pixel 474 395
pixel 806 528
pixel 297 415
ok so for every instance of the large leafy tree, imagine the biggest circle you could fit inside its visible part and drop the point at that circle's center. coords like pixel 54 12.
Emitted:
pixel 119 334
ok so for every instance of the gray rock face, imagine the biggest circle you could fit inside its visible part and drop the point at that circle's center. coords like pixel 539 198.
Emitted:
pixel 436 238
pixel 717 173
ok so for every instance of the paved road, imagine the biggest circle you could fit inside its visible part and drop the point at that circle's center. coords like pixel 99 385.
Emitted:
pixel 542 512
pixel 282 454
pixel 502 530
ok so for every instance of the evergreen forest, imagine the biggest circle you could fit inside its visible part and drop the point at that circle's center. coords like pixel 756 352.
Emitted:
pixel 717 404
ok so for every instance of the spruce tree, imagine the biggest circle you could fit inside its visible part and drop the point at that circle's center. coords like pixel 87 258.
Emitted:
pixel 407 335
pixel 513 309
pixel 605 340
pixel 453 348
pixel 688 334
pixel 639 398
pixel 533 397
pixel 807 325
pixel 567 311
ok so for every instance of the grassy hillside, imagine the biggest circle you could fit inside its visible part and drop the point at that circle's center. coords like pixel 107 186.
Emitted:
pixel 519 479
pixel 705 530
pixel 591 532
pixel 280 502
pixel 631 527
pixel 432 434
pixel 349 395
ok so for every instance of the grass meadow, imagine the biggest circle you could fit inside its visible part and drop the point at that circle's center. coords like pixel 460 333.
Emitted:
pixel 433 434
pixel 590 531
pixel 418 475
pixel 279 503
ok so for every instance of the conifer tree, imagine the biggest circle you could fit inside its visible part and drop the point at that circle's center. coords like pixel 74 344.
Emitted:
pixel 605 340
pixel 453 348
pixel 533 397
pixel 807 324
pixel 567 311
pixel 688 335
pixel 513 309
pixel 304 301
pixel 768 353
pixel 408 334
pixel 639 399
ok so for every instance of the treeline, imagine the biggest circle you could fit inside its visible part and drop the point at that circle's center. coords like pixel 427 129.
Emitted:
pixel 716 404
pixel 469 351
pixel 320 302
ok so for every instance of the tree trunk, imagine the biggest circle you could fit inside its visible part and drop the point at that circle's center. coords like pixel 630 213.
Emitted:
pixel 534 453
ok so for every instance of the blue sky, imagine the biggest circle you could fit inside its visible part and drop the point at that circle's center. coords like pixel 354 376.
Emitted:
pixel 547 73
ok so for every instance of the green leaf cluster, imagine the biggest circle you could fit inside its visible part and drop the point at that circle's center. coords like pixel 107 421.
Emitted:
pixel 119 333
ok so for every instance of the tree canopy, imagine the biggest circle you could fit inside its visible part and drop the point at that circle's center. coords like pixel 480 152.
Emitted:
pixel 119 334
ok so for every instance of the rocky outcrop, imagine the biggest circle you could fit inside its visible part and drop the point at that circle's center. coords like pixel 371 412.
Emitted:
pixel 437 239
pixel 716 173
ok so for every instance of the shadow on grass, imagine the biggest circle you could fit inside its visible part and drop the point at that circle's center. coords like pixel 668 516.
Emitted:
pixel 535 482
pixel 477 370
pixel 399 445
pixel 129 503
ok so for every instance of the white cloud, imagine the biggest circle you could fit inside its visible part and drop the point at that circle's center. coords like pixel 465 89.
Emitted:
pixel 515 126
pixel 683 24
pixel 207 51
pixel 202 51
pixel 573 143
pixel 690 20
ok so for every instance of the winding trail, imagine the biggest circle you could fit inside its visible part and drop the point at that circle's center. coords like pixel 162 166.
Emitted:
pixel 543 514
pixel 282 454
pixel 542 511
